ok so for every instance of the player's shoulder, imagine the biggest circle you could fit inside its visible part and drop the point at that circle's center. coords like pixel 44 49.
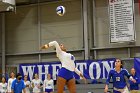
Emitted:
pixel 112 70
pixel 123 69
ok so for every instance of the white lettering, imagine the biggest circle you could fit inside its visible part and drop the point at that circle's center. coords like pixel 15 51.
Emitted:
pixel 105 66
pixel 46 70
pixel 98 70
pixel 29 71
pixel 55 70
pixel 81 67
pixel 40 71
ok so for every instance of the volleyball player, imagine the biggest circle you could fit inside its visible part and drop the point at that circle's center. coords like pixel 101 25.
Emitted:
pixel 118 76
pixel 66 73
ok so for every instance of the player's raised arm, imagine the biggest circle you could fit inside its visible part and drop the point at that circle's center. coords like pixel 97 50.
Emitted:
pixel 50 44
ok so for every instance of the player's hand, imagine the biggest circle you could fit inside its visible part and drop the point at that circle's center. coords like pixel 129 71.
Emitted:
pixel 134 80
pixel 106 89
pixel 44 47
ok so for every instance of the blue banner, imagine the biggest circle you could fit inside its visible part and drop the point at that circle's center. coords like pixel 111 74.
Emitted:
pixel 91 69
pixel 137 66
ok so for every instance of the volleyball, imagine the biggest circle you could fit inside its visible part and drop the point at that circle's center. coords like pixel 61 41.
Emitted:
pixel 60 10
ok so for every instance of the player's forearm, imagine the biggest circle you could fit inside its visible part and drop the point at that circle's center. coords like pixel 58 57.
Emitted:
pixel 107 81
pixel 106 88
pixel 81 75
pixel 77 71
pixel 106 85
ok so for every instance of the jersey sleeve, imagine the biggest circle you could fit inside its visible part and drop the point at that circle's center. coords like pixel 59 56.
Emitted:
pixel 131 82
pixel 137 80
pixel 56 45
pixel 127 73
pixel 109 77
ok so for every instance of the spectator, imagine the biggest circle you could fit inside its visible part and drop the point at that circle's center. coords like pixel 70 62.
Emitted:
pixel 3 85
pixel 27 84
pixel 10 80
pixel 36 84
pixel 48 84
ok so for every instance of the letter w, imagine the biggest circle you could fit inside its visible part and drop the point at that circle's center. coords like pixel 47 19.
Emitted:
pixel 29 71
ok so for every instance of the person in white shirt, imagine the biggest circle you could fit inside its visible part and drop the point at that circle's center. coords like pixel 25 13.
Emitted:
pixel 66 73
pixel 3 85
pixel 27 84
pixel 10 80
pixel 36 84
pixel 48 85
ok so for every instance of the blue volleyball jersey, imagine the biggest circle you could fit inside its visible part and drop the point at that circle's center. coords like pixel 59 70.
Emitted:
pixel 118 78
pixel 134 86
